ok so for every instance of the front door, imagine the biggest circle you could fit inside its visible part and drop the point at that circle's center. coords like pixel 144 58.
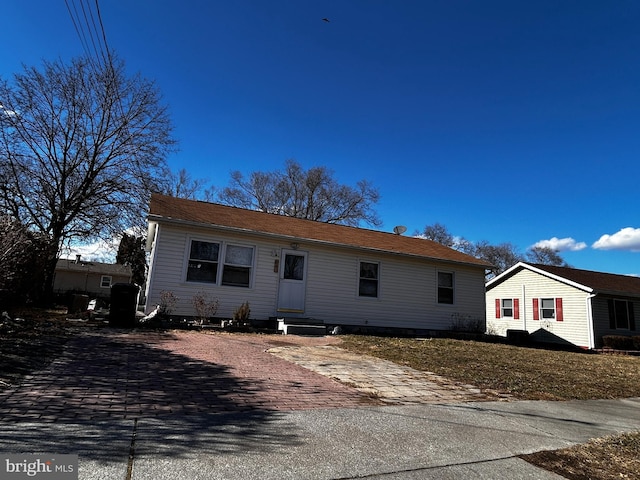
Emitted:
pixel 293 281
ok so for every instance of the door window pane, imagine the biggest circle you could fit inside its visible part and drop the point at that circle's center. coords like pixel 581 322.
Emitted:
pixel 293 267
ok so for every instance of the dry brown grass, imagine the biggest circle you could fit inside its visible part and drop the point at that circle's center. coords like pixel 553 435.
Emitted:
pixel 608 458
pixel 525 373
pixel 534 374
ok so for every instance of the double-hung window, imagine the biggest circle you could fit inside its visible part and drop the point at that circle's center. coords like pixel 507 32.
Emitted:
pixel 368 284
pixel 105 281
pixel 445 288
pixel 621 315
pixel 220 263
pixel 547 308
pixel 237 266
pixel 203 262
pixel 507 307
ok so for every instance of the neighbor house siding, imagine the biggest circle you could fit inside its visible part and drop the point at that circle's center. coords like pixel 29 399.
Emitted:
pixel 86 282
pixel 574 326
pixel 601 318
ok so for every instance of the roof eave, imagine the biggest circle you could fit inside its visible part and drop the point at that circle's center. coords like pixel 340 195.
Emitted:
pixel 176 221
pixel 522 265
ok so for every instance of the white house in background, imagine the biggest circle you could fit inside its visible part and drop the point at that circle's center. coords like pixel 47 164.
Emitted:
pixel 562 305
pixel 291 267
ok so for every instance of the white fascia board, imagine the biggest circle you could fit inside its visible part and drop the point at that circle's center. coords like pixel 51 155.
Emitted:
pixel 157 219
pixel 539 271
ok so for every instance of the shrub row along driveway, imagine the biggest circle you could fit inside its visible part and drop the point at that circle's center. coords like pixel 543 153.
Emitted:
pixel 122 374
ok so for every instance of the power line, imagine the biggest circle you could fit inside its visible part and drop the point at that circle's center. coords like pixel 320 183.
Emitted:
pixel 91 36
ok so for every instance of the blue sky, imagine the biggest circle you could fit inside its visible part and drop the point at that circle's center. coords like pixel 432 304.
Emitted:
pixel 505 121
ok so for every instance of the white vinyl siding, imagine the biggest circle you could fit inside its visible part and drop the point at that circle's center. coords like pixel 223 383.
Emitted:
pixel 408 293
pixel 407 287
pixel 574 327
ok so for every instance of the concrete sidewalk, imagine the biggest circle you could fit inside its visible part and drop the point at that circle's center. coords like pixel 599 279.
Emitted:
pixel 465 440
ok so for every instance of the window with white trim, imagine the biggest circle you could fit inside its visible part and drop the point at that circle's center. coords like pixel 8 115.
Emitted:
pixel 203 262
pixel 445 288
pixel 105 281
pixel 547 308
pixel 368 280
pixel 220 263
pixel 236 270
pixel 507 307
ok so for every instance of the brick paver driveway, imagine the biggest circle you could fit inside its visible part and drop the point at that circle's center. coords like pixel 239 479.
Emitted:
pixel 118 374
pixel 106 374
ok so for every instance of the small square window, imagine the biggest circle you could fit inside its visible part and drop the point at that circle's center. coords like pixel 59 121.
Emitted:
pixel 105 281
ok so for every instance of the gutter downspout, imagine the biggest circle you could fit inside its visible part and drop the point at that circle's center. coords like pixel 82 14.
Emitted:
pixel 590 330
pixel 523 308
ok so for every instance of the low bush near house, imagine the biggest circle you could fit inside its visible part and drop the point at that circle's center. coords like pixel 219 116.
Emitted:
pixel 168 301
pixel 241 314
pixel 621 342
pixel 205 308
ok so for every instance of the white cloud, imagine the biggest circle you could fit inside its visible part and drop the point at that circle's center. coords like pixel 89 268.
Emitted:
pixel 626 239
pixel 8 113
pixel 561 244
pixel 99 251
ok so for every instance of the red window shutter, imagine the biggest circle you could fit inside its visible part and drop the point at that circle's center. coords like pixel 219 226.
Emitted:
pixel 516 308
pixel 559 313
pixel 497 308
pixel 536 309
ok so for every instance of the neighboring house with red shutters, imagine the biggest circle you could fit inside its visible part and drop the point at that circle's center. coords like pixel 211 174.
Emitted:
pixel 291 267
pixel 562 304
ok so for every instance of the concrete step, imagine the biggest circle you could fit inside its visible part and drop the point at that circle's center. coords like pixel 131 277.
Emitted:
pixel 310 330
pixel 301 326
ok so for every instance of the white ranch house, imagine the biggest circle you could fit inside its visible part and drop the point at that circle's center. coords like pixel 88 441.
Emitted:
pixel 562 304
pixel 290 267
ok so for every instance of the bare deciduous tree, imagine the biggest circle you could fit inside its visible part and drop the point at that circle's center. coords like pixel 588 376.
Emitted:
pixel 81 147
pixel 313 194
pixel 21 257
pixel 181 184
pixel 438 233
pixel 545 256
pixel 501 257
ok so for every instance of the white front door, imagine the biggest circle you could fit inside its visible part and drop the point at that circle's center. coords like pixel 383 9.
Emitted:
pixel 293 281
